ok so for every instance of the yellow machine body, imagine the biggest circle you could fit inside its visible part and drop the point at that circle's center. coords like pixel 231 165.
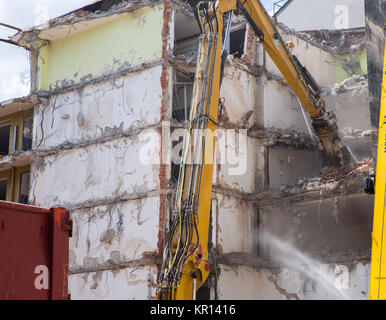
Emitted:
pixel 185 263
pixel 378 251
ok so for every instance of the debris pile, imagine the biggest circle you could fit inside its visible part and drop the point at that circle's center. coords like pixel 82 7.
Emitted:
pixel 332 179
pixel 355 83
pixel 337 42
pixel 330 182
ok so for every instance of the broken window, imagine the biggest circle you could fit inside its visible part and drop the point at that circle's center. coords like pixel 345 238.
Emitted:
pixel 3 188
pixel 24 187
pixel 14 184
pixel 16 133
pixel 237 42
pixel 182 98
pixel 5 130
pixel 186 33
pixel 27 134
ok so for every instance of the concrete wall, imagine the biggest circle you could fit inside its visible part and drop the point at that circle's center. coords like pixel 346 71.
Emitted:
pixel 77 175
pixel 97 150
pixel 317 250
pixel 122 232
pixel 350 102
pixel 88 146
pixel 336 224
pixel 282 110
pixel 329 14
pixel 324 72
pixel 287 165
pixel 230 214
pixel 326 282
pixel 123 284
pixel 100 110
pixel 330 67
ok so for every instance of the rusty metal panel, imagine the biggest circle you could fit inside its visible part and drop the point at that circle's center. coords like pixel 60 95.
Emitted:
pixel 33 252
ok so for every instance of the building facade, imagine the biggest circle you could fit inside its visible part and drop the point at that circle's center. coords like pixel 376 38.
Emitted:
pixel 110 86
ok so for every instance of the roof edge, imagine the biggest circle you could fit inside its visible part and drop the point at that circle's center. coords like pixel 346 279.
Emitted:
pixel 282 8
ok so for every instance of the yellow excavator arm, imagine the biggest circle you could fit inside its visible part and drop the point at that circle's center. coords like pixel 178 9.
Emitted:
pixel 378 252
pixel 185 265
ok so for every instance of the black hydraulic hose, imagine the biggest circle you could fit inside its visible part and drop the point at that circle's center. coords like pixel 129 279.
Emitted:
pixel 252 23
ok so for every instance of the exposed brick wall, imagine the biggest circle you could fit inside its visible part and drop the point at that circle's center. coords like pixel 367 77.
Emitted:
pixel 165 101
pixel 249 52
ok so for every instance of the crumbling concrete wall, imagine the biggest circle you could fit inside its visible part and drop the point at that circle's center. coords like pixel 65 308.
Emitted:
pixel 135 283
pixel 321 282
pixel 89 137
pixel 97 142
pixel 101 50
pixel 341 54
pixel 341 72
pixel 287 165
pixel 231 213
pixel 349 100
pixel 100 111
pixel 375 36
pixel 324 71
pixel 326 222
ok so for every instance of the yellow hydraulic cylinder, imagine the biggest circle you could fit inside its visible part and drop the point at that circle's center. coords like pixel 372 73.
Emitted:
pixel 378 252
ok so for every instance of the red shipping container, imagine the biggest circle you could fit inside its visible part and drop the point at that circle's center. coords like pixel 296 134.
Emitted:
pixel 34 244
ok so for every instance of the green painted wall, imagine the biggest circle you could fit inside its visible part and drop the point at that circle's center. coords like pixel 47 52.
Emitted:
pixel 342 75
pixel 131 39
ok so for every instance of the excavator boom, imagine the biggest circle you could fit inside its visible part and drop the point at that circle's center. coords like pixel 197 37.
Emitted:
pixel 185 265
pixel 378 252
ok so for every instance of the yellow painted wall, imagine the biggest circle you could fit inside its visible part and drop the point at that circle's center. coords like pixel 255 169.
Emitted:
pixel 342 75
pixel 131 39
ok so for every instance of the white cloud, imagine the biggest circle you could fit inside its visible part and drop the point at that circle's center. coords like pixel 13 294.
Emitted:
pixel 14 64
pixel 17 86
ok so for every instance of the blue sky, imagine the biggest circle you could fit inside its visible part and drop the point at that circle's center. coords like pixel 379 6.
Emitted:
pixel 14 64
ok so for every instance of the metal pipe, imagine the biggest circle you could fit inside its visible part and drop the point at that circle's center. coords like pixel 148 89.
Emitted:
pixel 10 27
pixel 228 32
pixel 15 128
pixel 10 42
pixel 194 288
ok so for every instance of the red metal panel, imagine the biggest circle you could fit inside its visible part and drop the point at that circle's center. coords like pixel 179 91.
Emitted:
pixel 33 252
pixel 60 232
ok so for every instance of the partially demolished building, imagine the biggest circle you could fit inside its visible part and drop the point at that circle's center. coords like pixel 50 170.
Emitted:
pixel 112 81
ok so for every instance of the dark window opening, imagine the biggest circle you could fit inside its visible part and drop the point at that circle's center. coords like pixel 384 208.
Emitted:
pixel 186 35
pixel 4 138
pixel 182 99
pixel 204 292
pixel 182 96
pixel 175 169
pixel 27 134
pixel 3 189
pixel 24 187
pixel 237 43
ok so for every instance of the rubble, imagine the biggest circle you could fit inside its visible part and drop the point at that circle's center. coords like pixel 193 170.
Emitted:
pixel 353 84
pixel 337 42
pixel 285 138
pixel 330 181
pixel 79 144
